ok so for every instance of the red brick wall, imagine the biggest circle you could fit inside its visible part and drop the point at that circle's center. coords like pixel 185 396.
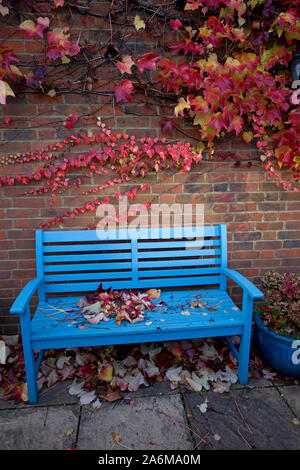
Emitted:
pixel 263 221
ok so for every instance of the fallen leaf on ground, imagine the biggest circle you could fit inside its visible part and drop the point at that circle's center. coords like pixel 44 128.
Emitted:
pixel 268 375
pixel 111 395
pixel 87 397
pixel 117 437
pixel 203 406
pixel 139 23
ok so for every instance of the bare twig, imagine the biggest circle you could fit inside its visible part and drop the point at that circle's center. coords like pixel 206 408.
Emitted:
pixel 189 428
pixel 245 440
pixel 241 415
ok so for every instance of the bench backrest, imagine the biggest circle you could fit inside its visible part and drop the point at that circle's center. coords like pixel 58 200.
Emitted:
pixel 77 260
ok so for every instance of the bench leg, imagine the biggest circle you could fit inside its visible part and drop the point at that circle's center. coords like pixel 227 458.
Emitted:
pixel 244 350
pixel 243 366
pixel 30 366
pixel 30 375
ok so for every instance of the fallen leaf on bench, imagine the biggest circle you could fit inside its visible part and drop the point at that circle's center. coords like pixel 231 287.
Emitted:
pixel 95 319
pixel 197 303
pixel 94 308
pixel 82 303
pixel 153 293
pixel 161 302
pixel 185 313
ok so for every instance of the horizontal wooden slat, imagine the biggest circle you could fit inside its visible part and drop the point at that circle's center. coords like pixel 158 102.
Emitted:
pixel 146 283
pixel 178 244
pixel 177 253
pixel 179 263
pixel 178 272
pixel 87 276
pixel 83 247
pixel 91 235
pixel 90 257
pixel 86 267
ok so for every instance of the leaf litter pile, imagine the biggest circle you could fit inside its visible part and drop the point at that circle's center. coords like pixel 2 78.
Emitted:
pixel 123 304
pixel 104 372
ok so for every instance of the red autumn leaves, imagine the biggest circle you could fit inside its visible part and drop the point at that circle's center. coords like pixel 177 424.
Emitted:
pixel 125 88
pixel 58 43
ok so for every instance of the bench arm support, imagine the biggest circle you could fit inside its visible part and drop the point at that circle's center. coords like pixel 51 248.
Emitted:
pixel 244 283
pixel 23 299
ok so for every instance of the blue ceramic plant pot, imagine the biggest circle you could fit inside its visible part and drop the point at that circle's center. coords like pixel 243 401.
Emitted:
pixel 280 353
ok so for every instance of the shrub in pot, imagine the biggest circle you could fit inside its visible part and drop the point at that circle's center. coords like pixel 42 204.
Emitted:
pixel 277 323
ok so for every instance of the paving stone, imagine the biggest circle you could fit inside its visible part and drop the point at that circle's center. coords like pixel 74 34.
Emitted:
pixel 38 428
pixel 286 381
pixel 142 425
pixel 156 389
pixel 58 394
pixel 292 396
pixel 266 413
pixel 254 383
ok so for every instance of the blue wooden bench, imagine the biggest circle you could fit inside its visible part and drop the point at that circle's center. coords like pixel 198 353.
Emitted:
pixel 72 263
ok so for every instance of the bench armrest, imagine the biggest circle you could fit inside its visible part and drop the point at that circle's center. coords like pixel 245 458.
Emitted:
pixel 19 305
pixel 243 282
